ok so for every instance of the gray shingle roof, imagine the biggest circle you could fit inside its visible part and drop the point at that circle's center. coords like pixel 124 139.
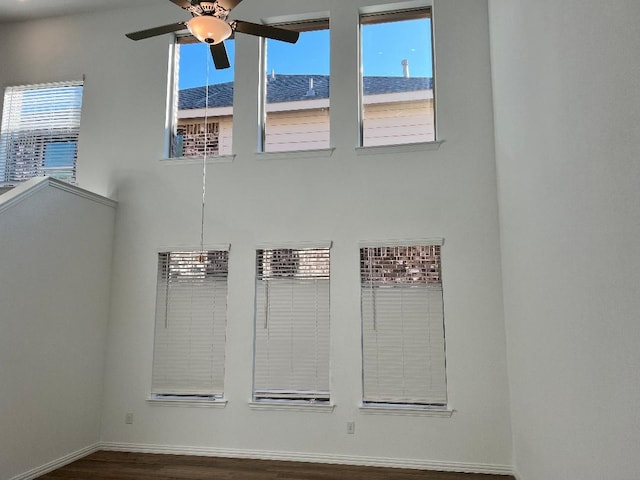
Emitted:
pixel 292 88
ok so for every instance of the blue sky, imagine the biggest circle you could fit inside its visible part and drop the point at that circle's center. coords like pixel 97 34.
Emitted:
pixel 405 40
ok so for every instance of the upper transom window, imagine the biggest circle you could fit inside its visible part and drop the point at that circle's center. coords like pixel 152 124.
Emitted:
pixel 202 103
pixel 397 84
pixel 295 97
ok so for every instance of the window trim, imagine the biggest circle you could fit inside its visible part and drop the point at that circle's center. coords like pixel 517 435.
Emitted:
pixel 406 410
pixel 282 400
pixel 187 402
pixel 401 148
pixel 172 105
pixel 319 21
pixel 186 399
pixel 292 406
pixel 193 160
pixel 40 135
pixel 172 96
pixel 396 12
pixel 400 408
pixel 296 154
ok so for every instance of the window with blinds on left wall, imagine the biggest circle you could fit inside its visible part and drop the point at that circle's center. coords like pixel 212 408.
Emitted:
pixel 190 330
pixel 39 132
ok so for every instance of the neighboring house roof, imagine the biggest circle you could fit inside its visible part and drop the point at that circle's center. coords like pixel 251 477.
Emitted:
pixel 294 88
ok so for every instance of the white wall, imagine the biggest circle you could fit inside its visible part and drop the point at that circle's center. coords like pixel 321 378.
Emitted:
pixel 55 260
pixel 345 198
pixel 567 110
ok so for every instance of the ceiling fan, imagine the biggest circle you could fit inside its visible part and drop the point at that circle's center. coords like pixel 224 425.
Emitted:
pixel 209 25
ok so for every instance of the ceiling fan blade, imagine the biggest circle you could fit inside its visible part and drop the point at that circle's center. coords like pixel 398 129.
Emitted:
pixel 182 3
pixel 228 4
pixel 267 31
pixel 220 57
pixel 154 32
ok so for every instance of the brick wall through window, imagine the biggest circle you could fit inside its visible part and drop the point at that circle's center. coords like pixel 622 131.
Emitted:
pixel 196 141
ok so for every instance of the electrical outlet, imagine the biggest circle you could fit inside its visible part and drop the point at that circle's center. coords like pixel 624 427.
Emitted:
pixel 128 418
pixel 351 428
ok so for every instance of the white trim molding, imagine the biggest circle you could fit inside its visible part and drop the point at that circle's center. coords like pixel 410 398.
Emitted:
pixel 409 4
pixel 181 161
pixel 312 458
pixel 300 245
pixel 400 148
pixel 407 463
pixel 293 406
pixel 296 154
pixel 218 247
pixel 56 464
pixel 34 185
pixel 400 242
pixel 409 411
pixel 190 403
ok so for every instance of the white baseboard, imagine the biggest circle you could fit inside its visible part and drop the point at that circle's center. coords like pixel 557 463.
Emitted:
pixel 311 458
pixel 59 463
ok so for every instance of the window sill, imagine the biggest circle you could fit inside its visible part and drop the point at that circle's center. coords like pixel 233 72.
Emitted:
pixel 296 154
pixel 293 406
pixel 186 402
pixel 406 148
pixel 409 410
pixel 197 160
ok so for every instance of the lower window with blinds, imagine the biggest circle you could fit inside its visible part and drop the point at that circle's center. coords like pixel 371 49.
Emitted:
pixel 403 326
pixel 190 330
pixel 291 356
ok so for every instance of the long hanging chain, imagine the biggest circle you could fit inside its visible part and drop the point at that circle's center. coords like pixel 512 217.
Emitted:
pixel 204 156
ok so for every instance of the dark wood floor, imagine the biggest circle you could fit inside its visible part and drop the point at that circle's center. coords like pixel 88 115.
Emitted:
pixel 137 466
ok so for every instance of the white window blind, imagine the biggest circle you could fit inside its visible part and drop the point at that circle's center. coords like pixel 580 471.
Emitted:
pixel 292 324
pixel 39 132
pixel 403 325
pixel 191 318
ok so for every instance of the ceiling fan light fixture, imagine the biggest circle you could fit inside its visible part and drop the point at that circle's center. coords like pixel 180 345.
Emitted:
pixel 209 29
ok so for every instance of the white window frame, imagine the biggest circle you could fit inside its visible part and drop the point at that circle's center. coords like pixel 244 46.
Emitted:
pixel 417 383
pixel 310 23
pixel 172 110
pixel 397 10
pixel 53 117
pixel 275 322
pixel 198 281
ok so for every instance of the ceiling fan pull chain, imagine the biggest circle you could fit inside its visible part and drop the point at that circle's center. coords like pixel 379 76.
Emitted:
pixel 206 146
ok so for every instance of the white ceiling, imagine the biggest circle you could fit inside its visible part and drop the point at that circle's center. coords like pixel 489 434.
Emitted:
pixel 12 10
